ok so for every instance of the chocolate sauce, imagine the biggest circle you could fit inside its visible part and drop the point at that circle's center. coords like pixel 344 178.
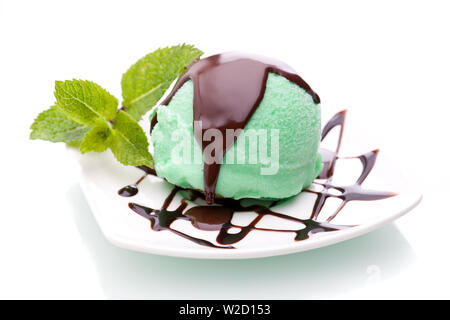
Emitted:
pixel 163 218
pixel 219 216
pixel 132 189
pixel 350 192
pixel 148 170
pixel 129 190
pixel 227 90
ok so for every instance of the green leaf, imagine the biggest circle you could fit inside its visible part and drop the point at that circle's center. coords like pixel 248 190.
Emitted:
pixel 85 102
pixel 96 139
pixel 128 142
pixel 147 80
pixel 75 144
pixel 52 125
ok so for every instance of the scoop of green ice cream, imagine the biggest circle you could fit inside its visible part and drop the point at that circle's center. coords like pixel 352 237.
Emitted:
pixel 286 108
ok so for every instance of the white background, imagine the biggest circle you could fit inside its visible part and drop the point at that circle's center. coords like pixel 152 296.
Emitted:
pixel 387 62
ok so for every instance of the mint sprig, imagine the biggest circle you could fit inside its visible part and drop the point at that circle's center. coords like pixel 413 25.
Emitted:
pixel 85 115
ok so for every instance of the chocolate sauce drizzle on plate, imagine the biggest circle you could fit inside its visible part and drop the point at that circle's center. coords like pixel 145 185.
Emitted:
pixel 132 189
pixel 218 217
pixel 228 88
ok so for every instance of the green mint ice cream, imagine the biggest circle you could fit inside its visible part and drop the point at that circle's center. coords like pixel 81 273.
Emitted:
pixel 285 107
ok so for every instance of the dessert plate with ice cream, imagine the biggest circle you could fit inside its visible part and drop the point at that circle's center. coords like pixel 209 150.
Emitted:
pixel 245 166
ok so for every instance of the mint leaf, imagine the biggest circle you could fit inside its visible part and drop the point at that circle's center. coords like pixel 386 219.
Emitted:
pixel 74 144
pixel 52 125
pixel 128 142
pixel 96 139
pixel 84 101
pixel 147 80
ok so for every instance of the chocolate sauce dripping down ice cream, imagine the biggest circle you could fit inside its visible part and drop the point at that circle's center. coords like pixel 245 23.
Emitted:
pixel 219 217
pixel 228 88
